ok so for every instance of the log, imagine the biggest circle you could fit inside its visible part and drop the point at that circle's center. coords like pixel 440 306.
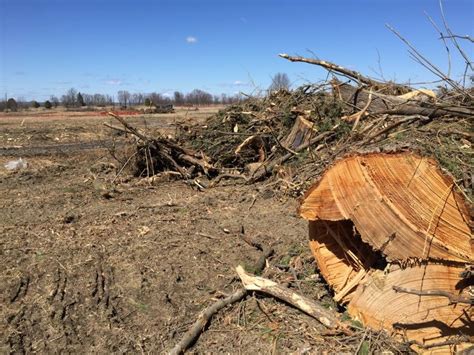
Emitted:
pixel 391 236
pixel 358 98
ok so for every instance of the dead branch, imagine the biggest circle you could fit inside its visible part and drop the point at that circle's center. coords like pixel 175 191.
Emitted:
pixel 267 168
pixel 308 306
pixel 406 119
pixel 164 154
pixel 338 69
pixel 119 129
pixel 453 38
pixel 466 37
pixel 422 60
pixel 205 316
pixel 129 127
pixel 452 298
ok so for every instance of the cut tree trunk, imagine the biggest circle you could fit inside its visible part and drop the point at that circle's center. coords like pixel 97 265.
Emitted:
pixel 391 236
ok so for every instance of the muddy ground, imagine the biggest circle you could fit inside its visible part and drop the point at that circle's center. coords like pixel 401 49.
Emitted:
pixel 91 266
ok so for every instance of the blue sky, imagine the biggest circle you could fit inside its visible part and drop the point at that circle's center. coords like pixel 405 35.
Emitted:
pixel 49 46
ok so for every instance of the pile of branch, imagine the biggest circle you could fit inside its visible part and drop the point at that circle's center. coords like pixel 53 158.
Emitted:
pixel 298 134
pixel 153 155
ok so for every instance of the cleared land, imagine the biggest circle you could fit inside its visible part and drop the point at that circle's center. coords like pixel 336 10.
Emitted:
pixel 91 266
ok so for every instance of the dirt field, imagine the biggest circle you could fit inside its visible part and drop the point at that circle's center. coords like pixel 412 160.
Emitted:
pixel 91 266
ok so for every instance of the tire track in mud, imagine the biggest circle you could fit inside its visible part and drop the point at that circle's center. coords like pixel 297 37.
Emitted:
pixel 104 278
pixel 56 321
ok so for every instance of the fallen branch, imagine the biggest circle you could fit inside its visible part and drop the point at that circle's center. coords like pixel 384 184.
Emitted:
pixel 452 298
pixel 308 306
pixel 268 168
pixel 116 128
pixel 130 128
pixel 407 119
pixel 197 328
pixel 344 71
pixel 205 316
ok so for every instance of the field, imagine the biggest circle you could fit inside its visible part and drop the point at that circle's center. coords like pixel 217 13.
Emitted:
pixel 91 266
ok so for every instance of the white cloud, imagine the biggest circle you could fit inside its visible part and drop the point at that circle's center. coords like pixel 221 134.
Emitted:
pixel 236 83
pixel 113 82
pixel 191 39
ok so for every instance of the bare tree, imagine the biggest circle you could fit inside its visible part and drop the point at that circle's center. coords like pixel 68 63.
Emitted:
pixel 280 81
pixel 54 100
pixel 136 99
pixel 123 97
pixel 155 98
pixel 70 98
pixel 178 98
pixel 199 97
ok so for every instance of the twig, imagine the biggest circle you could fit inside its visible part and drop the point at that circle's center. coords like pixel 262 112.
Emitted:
pixel 115 128
pixel 444 41
pixel 396 124
pixel 452 298
pixel 361 342
pixel 421 59
pixel 453 39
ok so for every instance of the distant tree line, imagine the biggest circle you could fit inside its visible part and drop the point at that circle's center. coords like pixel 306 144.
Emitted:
pixel 75 99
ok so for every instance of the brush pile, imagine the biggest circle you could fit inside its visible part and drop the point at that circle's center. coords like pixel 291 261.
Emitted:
pixel 153 155
pixel 296 135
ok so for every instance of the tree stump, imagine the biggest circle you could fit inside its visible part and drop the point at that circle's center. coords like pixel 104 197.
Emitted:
pixel 391 236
